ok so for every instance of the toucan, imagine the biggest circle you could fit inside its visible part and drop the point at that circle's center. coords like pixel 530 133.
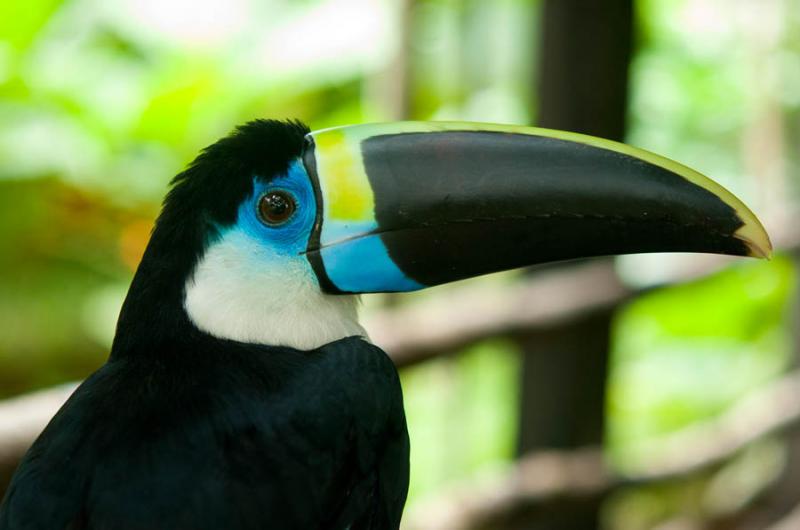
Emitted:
pixel 241 391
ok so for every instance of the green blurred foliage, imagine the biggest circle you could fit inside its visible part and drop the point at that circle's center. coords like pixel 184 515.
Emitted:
pixel 462 414
pixel 58 253
pixel 101 102
pixel 687 353
pixel 700 498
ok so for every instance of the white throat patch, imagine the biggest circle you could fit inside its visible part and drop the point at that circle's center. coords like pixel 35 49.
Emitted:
pixel 238 293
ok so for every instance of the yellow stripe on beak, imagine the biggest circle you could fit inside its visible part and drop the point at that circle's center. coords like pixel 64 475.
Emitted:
pixel 346 192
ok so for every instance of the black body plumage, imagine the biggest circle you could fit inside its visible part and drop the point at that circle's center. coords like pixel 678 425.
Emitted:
pixel 182 430
pixel 185 428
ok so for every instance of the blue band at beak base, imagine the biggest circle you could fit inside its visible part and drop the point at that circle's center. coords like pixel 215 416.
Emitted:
pixel 363 265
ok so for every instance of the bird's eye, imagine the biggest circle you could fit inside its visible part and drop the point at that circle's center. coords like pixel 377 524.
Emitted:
pixel 276 207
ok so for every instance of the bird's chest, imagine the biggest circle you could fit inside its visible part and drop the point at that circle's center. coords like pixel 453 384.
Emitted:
pixel 237 447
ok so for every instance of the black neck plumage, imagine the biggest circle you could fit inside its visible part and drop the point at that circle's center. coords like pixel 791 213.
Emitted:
pixel 153 314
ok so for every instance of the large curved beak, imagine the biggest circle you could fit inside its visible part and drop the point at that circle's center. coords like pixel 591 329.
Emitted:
pixel 403 206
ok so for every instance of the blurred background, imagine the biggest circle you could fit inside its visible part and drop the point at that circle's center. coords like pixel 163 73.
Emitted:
pixel 632 393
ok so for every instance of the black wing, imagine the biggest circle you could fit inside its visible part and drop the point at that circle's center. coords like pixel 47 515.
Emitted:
pixel 288 441
pixel 48 488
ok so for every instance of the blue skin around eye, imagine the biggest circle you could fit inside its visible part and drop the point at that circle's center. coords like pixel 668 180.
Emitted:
pixel 360 264
pixel 290 238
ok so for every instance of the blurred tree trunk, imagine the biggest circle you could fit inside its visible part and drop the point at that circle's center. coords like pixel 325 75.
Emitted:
pixel 583 66
pixel 585 51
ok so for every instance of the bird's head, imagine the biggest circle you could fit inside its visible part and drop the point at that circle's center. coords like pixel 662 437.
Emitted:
pixel 271 231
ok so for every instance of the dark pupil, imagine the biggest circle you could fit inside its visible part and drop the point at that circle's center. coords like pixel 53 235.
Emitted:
pixel 276 207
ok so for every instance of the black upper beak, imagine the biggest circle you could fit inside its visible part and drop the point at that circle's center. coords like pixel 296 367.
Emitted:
pixel 409 205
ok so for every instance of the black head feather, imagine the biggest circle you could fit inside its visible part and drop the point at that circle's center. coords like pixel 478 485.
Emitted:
pixel 221 176
pixel 204 196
